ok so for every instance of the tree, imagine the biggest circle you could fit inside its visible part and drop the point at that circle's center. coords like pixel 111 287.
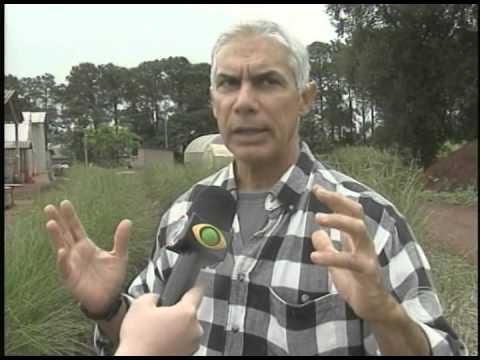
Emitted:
pixel 133 115
pixel 108 145
pixel 83 98
pixel 111 82
pixel 188 126
pixel 330 115
pixel 413 58
pixel 150 77
pixel 58 125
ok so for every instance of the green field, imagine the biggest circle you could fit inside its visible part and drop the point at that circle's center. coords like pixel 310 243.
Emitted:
pixel 41 318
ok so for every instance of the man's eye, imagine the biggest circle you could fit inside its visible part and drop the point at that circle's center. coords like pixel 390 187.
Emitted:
pixel 227 83
pixel 269 82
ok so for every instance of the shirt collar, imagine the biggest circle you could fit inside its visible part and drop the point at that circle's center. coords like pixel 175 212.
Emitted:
pixel 291 185
pixel 293 182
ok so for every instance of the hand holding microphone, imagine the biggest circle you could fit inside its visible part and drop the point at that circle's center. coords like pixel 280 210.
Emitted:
pixel 144 328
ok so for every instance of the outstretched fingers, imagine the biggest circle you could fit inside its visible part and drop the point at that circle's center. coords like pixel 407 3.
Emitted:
pixel 325 254
pixel 57 228
pixel 321 241
pixel 72 221
pixel 57 235
pixel 341 260
pixel 120 239
pixel 338 203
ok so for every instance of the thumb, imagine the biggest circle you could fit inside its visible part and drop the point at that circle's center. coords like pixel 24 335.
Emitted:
pixel 120 239
pixel 193 297
pixel 321 241
pixel 147 299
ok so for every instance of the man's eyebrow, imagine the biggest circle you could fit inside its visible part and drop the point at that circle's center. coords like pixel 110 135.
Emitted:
pixel 225 75
pixel 268 73
pixel 255 75
pixel 278 75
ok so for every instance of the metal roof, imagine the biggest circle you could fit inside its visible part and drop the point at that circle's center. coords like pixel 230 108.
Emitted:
pixel 34 117
pixel 24 128
pixel 217 150
pixel 199 144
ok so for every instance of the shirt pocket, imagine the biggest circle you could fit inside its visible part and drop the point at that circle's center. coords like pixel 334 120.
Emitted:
pixel 308 328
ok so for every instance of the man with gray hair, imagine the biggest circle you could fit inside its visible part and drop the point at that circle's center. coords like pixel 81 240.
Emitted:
pixel 320 264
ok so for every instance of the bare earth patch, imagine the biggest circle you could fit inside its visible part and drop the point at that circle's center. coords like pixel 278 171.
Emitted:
pixel 455 227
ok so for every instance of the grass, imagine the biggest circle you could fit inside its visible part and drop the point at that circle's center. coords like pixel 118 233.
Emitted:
pixel 385 173
pixel 42 319
pixel 164 183
pixel 456 282
pixel 448 147
pixel 463 197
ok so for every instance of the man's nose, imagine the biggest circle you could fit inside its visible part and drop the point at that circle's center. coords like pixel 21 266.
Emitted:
pixel 246 101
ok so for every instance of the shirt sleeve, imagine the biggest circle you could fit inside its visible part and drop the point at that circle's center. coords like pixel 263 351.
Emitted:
pixel 407 274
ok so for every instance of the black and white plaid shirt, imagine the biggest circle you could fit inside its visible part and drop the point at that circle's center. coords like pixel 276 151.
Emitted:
pixel 268 298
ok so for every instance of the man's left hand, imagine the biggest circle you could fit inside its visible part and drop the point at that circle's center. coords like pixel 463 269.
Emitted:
pixel 354 270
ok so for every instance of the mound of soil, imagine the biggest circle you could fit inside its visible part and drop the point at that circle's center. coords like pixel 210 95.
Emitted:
pixel 458 170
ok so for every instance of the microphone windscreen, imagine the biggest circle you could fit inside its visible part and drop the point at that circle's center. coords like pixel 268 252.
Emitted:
pixel 216 206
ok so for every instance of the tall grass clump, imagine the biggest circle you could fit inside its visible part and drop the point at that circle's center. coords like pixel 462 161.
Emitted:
pixel 467 196
pixel 454 279
pixel 165 182
pixel 386 174
pixel 41 318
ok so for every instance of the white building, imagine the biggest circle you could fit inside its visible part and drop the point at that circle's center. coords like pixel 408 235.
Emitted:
pixel 208 150
pixel 31 138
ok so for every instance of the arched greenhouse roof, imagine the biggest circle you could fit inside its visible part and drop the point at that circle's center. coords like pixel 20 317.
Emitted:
pixel 200 144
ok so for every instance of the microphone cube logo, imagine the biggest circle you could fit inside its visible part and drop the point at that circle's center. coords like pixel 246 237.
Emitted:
pixel 209 236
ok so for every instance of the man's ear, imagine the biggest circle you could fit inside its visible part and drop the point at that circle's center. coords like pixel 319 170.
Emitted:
pixel 308 97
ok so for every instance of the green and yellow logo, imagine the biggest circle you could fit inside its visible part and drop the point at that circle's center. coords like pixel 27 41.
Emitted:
pixel 209 236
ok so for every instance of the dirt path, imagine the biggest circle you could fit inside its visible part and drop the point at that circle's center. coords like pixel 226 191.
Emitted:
pixel 455 226
pixel 24 195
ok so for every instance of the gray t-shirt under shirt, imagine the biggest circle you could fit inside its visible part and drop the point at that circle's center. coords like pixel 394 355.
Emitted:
pixel 251 214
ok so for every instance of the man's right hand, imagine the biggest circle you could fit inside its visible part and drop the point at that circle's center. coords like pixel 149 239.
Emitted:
pixel 93 276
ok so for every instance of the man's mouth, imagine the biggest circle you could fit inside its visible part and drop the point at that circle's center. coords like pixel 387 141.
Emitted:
pixel 244 130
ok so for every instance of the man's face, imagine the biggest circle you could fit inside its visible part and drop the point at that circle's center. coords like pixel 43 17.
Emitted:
pixel 255 100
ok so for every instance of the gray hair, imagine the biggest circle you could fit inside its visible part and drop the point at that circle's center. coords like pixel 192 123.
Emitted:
pixel 298 59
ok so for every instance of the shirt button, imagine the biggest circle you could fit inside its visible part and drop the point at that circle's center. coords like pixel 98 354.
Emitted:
pixel 291 207
pixel 235 329
pixel 241 277
pixel 304 298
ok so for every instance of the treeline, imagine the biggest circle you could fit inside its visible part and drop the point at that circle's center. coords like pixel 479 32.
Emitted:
pixel 144 99
pixel 403 76
pixel 417 66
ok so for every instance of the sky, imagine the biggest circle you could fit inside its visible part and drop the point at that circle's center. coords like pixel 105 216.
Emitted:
pixel 51 38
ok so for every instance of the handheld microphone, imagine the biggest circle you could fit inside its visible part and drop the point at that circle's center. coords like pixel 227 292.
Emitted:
pixel 203 241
